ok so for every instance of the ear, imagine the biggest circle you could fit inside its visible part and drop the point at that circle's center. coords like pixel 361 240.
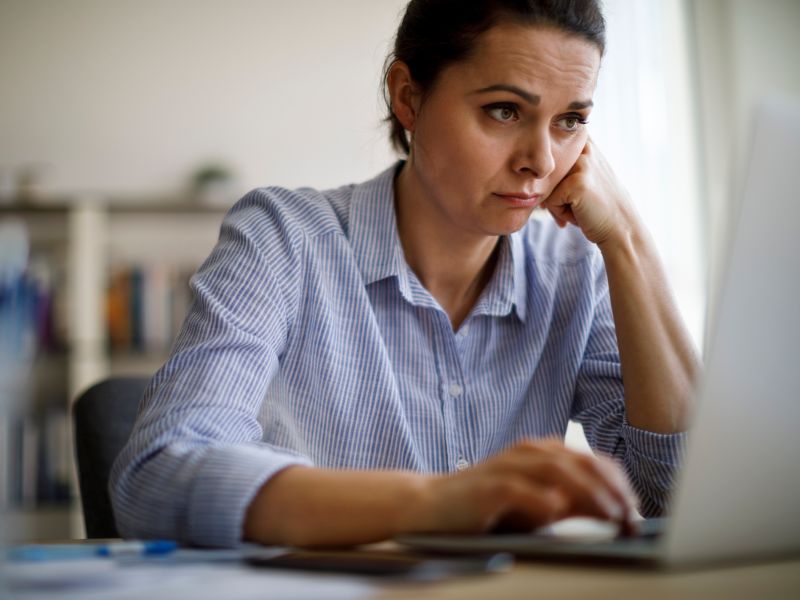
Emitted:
pixel 404 94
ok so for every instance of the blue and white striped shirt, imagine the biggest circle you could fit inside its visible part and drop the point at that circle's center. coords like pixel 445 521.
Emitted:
pixel 311 341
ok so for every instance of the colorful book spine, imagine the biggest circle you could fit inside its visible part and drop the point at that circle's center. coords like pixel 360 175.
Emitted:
pixel 145 307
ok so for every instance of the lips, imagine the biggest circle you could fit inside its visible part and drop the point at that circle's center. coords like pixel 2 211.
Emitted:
pixel 519 198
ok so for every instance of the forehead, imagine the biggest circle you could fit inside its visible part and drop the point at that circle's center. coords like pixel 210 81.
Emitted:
pixel 543 60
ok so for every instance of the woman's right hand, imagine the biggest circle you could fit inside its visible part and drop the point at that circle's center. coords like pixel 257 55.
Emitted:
pixel 531 484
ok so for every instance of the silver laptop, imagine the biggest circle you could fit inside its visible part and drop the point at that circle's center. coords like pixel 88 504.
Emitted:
pixel 739 492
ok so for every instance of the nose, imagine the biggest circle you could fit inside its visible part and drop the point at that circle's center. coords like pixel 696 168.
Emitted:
pixel 534 154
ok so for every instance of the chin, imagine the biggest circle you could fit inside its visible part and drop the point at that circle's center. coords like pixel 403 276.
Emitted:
pixel 509 225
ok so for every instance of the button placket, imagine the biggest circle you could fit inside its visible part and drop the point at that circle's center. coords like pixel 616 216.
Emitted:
pixel 453 391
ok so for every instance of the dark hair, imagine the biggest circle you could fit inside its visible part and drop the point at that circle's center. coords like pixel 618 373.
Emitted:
pixel 437 33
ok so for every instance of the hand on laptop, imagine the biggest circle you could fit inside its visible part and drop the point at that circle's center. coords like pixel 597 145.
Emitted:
pixel 533 483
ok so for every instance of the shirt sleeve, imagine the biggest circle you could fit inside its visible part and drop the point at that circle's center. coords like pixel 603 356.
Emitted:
pixel 195 458
pixel 650 459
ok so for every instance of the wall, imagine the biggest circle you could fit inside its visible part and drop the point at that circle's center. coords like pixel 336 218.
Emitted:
pixel 129 97
pixel 745 51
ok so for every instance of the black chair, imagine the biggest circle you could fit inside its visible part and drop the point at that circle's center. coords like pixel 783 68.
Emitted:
pixel 103 417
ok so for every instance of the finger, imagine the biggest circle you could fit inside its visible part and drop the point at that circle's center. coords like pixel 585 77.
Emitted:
pixel 588 488
pixel 527 504
pixel 623 487
pixel 562 214
pixel 560 194
pixel 561 200
pixel 617 475
pixel 560 222
pixel 605 468
pixel 559 197
pixel 590 495
pixel 610 475
pixel 587 495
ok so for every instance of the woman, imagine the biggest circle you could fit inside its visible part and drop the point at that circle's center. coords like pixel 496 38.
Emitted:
pixel 398 356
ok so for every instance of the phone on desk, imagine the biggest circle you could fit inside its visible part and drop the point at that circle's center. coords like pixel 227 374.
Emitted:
pixel 384 563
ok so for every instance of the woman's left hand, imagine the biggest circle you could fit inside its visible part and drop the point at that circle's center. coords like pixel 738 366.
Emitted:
pixel 591 197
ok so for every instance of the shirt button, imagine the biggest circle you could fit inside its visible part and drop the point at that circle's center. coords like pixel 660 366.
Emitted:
pixel 462 464
pixel 463 331
pixel 455 390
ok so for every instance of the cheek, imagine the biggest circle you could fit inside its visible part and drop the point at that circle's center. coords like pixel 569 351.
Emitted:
pixel 456 145
pixel 566 155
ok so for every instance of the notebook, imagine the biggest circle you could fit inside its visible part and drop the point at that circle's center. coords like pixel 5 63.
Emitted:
pixel 738 495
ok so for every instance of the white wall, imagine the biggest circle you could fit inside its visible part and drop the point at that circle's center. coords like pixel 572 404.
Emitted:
pixel 745 51
pixel 127 97
pixel 644 122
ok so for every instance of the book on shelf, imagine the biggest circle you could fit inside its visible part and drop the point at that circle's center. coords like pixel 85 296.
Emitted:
pixel 34 445
pixel 37 449
pixel 145 307
pixel 32 318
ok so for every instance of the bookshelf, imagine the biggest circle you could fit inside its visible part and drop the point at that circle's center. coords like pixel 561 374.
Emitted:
pixel 114 276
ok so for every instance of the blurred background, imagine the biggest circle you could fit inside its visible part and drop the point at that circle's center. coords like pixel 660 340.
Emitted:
pixel 128 128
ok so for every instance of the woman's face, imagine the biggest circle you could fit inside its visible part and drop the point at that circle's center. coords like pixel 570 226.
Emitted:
pixel 498 131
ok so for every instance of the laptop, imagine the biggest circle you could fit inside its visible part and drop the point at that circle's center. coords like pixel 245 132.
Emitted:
pixel 738 494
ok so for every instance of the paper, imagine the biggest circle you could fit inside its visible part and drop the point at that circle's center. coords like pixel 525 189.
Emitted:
pixel 155 579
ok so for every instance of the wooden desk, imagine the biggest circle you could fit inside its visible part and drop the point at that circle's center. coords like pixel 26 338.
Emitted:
pixel 776 580
pixel 551 580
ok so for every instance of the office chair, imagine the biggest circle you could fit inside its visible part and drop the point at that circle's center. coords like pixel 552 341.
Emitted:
pixel 103 418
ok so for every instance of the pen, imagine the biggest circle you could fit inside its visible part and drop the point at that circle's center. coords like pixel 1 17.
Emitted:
pixel 47 552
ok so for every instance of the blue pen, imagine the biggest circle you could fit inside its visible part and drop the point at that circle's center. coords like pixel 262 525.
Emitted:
pixel 48 552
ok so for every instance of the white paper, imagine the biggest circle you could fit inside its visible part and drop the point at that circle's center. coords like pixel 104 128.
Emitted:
pixel 121 580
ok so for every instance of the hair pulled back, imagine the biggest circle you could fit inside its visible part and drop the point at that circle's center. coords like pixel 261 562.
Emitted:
pixel 437 33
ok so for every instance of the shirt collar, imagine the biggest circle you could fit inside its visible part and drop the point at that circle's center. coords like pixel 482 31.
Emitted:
pixel 377 249
pixel 373 228
pixel 508 287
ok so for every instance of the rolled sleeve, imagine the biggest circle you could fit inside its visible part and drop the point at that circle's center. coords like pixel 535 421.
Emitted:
pixel 650 459
pixel 653 458
pixel 227 481
pixel 195 458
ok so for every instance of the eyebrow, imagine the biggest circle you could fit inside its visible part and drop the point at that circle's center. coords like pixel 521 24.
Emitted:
pixel 504 87
pixel 579 104
pixel 528 97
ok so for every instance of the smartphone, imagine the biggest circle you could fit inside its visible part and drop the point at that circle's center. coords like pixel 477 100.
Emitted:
pixel 387 564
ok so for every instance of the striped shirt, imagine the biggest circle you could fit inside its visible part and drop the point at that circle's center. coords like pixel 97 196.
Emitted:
pixel 311 341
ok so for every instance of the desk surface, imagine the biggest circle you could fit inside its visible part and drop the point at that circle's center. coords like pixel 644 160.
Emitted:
pixel 552 580
pixel 527 579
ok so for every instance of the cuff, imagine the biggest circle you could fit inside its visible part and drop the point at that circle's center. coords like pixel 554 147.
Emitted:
pixel 652 459
pixel 666 448
pixel 228 480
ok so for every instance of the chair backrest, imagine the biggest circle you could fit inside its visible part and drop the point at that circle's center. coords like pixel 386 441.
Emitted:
pixel 103 418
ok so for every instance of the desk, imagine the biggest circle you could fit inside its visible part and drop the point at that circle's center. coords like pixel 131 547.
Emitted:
pixel 527 579
pixel 774 580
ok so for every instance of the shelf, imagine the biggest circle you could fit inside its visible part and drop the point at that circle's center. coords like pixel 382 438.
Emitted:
pixel 26 210
pixel 147 206
pixel 79 245
pixel 161 209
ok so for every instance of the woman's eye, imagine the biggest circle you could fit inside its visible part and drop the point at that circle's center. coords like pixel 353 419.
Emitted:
pixel 572 123
pixel 504 113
